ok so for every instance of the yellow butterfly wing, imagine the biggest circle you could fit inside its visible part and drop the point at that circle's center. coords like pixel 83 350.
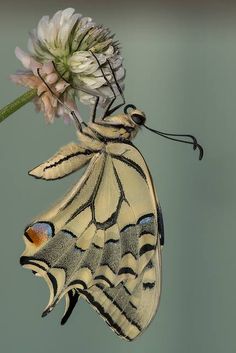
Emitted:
pixel 102 242
pixel 66 161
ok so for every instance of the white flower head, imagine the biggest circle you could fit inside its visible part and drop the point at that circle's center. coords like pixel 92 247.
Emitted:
pixel 66 53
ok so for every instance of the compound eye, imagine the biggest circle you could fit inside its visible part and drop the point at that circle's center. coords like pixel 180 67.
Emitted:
pixel 138 118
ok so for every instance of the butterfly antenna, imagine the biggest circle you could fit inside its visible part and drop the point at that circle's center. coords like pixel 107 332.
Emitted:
pixel 78 123
pixel 193 139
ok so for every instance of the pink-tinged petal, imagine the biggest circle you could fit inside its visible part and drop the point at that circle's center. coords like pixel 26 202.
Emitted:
pixel 60 110
pixel 23 57
pixel 47 108
pixel 41 89
pixel 48 68
pixel 61 85
pixel 37 104
pixel 35 66
pixel 25 80
pixel 54 102
pixel 51 78
pixel 27 60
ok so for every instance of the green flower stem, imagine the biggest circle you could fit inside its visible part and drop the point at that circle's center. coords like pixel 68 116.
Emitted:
pixel 17 104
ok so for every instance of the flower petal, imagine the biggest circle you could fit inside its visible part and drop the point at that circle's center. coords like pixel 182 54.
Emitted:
pixel 92 81
pixel 82 61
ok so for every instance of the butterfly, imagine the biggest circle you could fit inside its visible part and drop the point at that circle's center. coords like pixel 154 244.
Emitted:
pixel 103 240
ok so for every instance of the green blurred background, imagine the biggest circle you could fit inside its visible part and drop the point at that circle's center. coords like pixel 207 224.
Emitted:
pixel 181 70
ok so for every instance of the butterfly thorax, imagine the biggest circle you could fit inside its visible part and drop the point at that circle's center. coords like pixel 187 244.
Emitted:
pixel 113 128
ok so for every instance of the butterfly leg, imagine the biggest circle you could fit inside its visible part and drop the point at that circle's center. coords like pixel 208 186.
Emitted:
pixel 108 109
pixel 91 92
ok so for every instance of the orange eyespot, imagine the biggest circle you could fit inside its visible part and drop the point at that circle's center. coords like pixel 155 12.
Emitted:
pixel 39 232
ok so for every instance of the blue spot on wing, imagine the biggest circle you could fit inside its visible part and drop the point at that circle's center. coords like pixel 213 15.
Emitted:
pixel 43 228
pixel 146 220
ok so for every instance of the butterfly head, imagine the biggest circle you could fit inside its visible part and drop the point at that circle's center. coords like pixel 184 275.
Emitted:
pixel 137 116
pixel 121 126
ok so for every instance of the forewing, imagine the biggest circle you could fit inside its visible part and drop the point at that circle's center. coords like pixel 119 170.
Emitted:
pixel 67 160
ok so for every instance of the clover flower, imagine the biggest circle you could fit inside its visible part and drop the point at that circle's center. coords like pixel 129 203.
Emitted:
pixel 62 56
